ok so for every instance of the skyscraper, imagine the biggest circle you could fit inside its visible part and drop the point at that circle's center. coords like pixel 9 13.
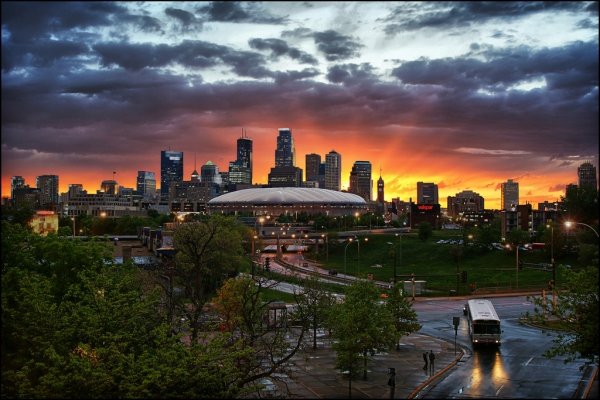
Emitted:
pixel 146 183
pixel 109 186
pixel 48 186
pixel 587 176
pixel 360 180
pixel 285 153
pixel 171 170
pixel 240 170
pixel 209 173
pixel 313 162
pixel 333 170
pixel 15 183
pixel 427 193
pixel 509 195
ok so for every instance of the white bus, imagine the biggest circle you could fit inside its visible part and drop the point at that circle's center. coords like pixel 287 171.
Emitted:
pixel 484 324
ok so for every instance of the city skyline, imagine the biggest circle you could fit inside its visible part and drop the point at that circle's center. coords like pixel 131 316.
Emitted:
pixel 465 95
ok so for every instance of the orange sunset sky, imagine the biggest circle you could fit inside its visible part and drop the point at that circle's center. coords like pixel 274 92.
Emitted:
pixel 462 94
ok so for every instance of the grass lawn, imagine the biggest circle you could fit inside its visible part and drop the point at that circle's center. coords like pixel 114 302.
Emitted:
pixel 438 263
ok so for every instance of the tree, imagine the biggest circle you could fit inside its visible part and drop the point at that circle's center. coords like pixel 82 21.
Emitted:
pixel 404 316
pixel 208 253
pixel 246 319
pixel 314 303
pixel 577 312
pixel 361 326
pixel 581 205
pixel 425 231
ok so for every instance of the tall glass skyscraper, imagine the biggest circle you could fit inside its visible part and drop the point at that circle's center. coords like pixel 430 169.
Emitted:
pixel 509 195
pixel 171 170
pixel 333 170
pixel 146 183
pixel 587 176
pixel 240 170
pixel 16 183
pixel 285 153
pixel 360 180
pixel 48 185
pixel 427 193
pixel 313 162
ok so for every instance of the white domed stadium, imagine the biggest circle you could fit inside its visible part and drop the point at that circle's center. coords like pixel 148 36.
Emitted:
pixel 288 200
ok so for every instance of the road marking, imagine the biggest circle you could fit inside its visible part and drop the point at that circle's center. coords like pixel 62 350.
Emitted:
pixel 528 361
pixel 498 391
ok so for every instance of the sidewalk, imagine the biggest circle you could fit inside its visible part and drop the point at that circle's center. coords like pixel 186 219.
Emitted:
pixel 315 376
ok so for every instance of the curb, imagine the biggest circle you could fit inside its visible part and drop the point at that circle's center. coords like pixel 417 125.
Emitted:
pixel 588 388
pixel 429 380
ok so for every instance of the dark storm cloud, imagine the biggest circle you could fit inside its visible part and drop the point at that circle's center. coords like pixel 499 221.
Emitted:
pixel 184 17
pixel 569 67
pixel 297 33
pixel 349 74
pixel 40 54
pixel 233 11
pixel 29 21
pixel 189 53
pixel 280 48
pixel 336 46
pixel 460 14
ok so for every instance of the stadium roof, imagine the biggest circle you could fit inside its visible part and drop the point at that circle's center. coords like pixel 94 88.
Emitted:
pixel 288 195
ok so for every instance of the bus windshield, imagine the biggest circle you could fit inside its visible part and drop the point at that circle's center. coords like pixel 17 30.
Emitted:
pixel 491 328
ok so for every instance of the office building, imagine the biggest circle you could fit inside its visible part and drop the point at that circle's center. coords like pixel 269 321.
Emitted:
pixel 587 176
pixel 209 173
pixel 48 186
pixel 509 195
pixel 333 170
pixel 240 170
pixel 360 180
pixel 75 189
pixel 146 183
pixel 285 177
pixel 464 202
pixel 285 153
pixel 15 183
pixel 427 193
pixel 313 163
pixel 109 187
pixel 171 170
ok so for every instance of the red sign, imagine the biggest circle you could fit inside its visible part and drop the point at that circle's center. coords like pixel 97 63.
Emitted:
pixel 425 207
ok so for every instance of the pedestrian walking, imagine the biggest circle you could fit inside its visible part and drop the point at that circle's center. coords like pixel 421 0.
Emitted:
pixel 425 359
pixel 431 361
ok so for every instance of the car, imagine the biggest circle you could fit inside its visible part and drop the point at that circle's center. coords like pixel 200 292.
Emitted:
pixel 332 272
pixel 305 264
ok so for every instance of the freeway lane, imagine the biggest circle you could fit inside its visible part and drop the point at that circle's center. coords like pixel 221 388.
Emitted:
pixel 517 369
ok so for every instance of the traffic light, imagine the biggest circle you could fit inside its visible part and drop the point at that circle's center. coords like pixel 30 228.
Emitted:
pixel 268 264
pixel 463 276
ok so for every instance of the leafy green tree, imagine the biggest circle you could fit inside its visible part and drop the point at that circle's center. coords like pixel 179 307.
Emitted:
pixel 425 231
pixel 247 318
pixel 361 326
pixel 581 205
pixel 405 316
pixel 314 302
pixel 577 312
pixel 209 252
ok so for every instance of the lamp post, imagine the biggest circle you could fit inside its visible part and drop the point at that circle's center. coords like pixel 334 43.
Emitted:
pixel 346 248
pixel 392 244
pixel 326 243
pixel 517 265
pixel 568 224
pixel 73 218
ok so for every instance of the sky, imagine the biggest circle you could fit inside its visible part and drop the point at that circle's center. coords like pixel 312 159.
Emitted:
pixel 462 94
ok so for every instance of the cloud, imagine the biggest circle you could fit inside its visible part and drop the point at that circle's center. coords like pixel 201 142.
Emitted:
pixel 280 48
pixel 444 15
pixel 349 74
pixel 185 18
pixel 336 46
pixel 232 11
pixel 559 187
pixel 470 150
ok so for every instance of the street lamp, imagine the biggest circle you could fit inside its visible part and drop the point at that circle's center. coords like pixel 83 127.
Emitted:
pixel 73 218
pixel 392 244
pixel 568 225
pixel 346 248
pixel 326 243
pixel 517 266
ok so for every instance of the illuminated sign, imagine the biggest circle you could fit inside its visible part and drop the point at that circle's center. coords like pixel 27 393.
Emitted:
pixel 425 207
